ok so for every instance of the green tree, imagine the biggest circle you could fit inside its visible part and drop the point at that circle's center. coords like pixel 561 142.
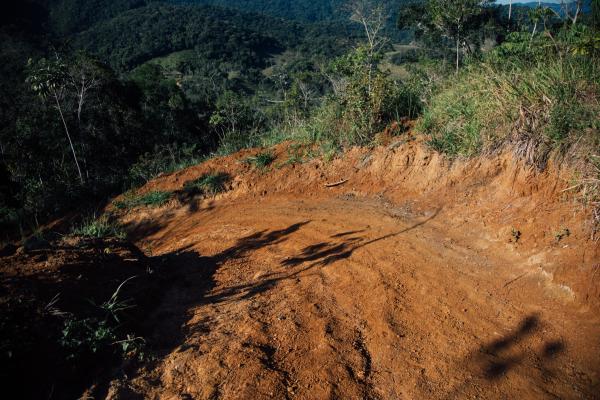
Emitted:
pixel 50 80
pixel 449 19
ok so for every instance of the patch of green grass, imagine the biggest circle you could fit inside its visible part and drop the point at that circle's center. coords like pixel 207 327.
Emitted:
pixel 296 155
pixel 151 199
pixel 262 160
pixel 561 234
pixel 540 108
pixel 102 227
pixel 164 159
pixel 208 183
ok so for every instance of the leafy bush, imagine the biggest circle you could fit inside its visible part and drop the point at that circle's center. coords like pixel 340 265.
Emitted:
pixel 364 99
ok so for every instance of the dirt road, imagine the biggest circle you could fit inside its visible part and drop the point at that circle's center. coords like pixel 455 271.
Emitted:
pixel 356 298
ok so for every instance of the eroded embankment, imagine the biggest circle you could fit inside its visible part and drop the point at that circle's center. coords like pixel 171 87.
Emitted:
pixel 489 199
pixel 415 278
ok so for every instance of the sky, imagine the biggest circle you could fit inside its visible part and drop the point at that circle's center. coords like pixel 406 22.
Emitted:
pixel 525 1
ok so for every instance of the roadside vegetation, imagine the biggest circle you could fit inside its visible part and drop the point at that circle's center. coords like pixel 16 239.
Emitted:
pixel 155 198
pixel 211 184
pixel 477 78
pixel 98 228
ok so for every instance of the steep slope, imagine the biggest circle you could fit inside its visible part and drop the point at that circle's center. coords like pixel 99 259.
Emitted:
pixel 411 277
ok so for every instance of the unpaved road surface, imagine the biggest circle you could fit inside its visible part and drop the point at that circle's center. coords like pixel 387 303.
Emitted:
pixel 348 297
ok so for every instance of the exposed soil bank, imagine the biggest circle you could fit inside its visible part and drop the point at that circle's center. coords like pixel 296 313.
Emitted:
pixel 415 279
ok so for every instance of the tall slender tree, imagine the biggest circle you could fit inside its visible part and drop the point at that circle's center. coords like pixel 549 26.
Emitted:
pixel 50 79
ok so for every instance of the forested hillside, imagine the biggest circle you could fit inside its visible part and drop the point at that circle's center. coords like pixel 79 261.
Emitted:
pixel 194 78
pixel 220 34
pixel 155 71
pixel 301 10
pixel 252 150
pixel 310 11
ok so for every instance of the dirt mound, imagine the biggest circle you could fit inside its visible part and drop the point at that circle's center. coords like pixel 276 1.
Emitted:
pixel 493 199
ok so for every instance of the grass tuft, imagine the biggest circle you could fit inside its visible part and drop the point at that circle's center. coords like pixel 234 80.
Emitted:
pixel 150 199
pixel 208 183
pixel 262 160
pixel 98 228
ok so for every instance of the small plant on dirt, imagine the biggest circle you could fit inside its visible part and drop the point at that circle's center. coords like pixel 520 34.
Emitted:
pixel 561 234
pixel 515 235
pixel 296 155
pixel 99 333
pixel 102 227
pixel 329 150
pixel 113 306
pixel 151 199
pixel 208 183
pixel 262 160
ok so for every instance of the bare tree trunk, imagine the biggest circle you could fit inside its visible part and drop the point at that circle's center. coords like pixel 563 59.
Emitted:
pixel 68 137
pixel 509 9
pixel 577 12
pixel 532 33
pixel 457 44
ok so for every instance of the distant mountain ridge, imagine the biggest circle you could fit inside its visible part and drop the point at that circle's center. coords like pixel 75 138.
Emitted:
pixel 557 7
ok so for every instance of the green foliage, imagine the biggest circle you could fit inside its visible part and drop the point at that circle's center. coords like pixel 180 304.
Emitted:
pixel 164 159
pixel 542 101
pixel 212 183
pixel 102 332
pixel 150 199
pixel 448 23
pixel 101 227
pixel 92 117
pixel 261 160
pixel 88 334
pixel 296 154
pixel 68 16
pixel 243 41
pixel 363 101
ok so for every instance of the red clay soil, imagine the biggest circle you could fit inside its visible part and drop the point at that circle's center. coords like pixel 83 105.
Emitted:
pixel 417 278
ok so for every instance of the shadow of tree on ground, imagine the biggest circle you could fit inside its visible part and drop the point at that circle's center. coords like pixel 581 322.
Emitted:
pixel 494 361
pixel 191 275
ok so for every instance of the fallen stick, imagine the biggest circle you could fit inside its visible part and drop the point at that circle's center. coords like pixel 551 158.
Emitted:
pixel 336 183
pixel 514 280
